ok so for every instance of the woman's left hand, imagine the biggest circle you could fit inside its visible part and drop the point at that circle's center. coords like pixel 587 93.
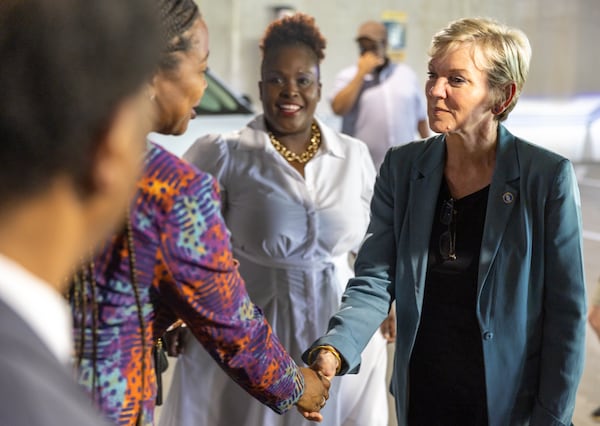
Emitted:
pixel 388 327
pixel 315 395
pixel 594 319
pixel 173 338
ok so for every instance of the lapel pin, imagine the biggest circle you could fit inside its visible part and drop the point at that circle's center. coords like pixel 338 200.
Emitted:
pixel 508 197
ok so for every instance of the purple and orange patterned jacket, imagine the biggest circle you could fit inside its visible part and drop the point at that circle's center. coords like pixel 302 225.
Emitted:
pixel 185 270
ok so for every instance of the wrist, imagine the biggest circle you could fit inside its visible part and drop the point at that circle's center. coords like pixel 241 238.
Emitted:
pixel 327 348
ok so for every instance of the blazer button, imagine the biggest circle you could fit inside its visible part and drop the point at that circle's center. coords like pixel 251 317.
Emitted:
pixel 488 335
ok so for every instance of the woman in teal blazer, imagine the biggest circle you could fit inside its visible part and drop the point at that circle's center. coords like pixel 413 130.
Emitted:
pixel 476 234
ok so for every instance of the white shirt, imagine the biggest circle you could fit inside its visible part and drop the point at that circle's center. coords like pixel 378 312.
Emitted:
pixel 278 218
pixel 39 305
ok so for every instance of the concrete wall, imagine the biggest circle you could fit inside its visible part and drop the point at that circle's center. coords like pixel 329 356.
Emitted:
pixel 564 36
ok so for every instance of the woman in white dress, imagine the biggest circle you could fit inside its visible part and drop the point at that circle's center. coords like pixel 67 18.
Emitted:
pixel 296 199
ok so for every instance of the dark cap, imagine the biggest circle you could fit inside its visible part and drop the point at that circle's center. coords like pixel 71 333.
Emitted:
pixel 372 30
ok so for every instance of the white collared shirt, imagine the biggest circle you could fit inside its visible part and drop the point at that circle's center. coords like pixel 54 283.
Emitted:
pixel 279 218
pixel 39 305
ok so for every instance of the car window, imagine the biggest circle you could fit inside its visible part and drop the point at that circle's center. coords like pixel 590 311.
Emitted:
pixel 219 100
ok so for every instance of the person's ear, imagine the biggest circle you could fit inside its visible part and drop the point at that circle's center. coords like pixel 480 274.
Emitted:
pixel 154 83
pixel 509 93
pixel 151 93
pixel 150 88
pixel 319 93
pixel 260 90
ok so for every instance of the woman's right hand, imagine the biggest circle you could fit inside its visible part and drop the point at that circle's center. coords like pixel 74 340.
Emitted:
pixel 315 395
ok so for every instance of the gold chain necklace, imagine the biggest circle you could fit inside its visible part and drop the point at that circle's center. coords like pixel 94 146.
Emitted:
pixel 313 147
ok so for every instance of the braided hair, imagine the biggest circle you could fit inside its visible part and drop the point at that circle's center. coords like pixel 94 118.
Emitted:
pixel 177 17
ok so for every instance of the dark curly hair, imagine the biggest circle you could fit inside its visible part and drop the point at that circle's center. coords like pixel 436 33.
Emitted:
pixel 298 28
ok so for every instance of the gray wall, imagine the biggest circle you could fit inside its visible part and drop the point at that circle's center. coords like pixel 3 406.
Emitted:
pixel 564 34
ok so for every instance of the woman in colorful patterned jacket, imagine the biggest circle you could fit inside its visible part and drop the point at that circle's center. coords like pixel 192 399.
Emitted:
pixel 173 260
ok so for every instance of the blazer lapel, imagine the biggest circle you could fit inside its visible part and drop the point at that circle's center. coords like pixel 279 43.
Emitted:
pixel 426 177
pixel 503 196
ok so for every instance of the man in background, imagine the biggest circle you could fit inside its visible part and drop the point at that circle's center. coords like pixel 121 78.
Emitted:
pixel 381 103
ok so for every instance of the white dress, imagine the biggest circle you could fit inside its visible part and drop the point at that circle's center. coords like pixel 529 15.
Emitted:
pixel 292 237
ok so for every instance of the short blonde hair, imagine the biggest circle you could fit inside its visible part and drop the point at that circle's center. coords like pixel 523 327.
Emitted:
pixel 505 54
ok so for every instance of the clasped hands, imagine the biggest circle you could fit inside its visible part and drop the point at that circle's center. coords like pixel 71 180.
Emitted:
pixel 317 380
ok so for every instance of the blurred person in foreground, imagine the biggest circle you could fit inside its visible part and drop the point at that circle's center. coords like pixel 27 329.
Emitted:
pixel 172 260
pixel 476 234
pixel 72 140
pixel 380 102
pixel 296 198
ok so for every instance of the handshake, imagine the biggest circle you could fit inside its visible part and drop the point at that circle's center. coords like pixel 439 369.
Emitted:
pixel 325 363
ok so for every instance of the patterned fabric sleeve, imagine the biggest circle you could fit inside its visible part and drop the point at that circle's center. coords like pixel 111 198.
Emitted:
pixel 199 280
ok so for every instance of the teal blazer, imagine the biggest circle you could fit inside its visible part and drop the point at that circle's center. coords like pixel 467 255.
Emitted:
pixel 531 303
